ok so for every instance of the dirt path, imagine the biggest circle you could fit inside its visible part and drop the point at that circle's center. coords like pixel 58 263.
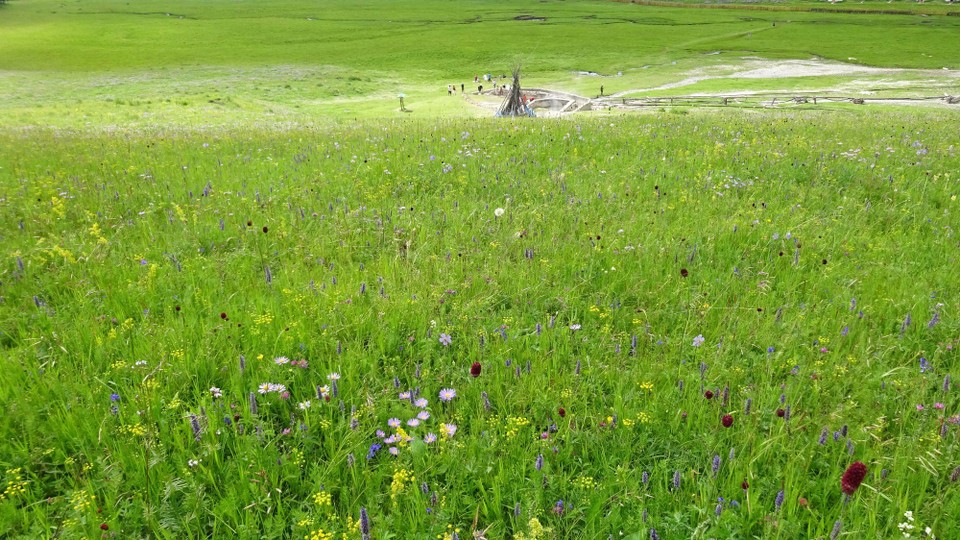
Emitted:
pixel 757 68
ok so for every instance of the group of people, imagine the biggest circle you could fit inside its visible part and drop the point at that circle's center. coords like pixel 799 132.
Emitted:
pixel 499 89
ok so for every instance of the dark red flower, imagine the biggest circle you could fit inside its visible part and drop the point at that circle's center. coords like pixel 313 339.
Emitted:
pixel 708 394
pixel 562 412
pixel 727 420
pixel 853 476
pixel 684 272
pixel 744 485
pixel 475 369
pixel 265 229
pixel 104 526
pixel 781 413
pixel 177 308
pixel 223 315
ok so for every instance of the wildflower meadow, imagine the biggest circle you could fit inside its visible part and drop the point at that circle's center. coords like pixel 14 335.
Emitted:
pixel 668 325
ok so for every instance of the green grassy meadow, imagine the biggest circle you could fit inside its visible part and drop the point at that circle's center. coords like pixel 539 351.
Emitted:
pixel 80 64
pixel 242 295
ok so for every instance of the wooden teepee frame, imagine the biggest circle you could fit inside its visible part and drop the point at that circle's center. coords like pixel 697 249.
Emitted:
pixel 513 105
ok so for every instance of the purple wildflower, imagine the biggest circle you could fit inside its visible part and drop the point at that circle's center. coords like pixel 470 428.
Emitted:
pixel 364 524
pixel 195 425
pixel 836 530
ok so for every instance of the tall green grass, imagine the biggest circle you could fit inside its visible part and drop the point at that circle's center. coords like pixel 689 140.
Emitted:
pixel 801 261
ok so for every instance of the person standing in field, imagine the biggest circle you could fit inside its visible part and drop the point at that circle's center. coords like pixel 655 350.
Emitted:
pixel 461 88
pixel 601 90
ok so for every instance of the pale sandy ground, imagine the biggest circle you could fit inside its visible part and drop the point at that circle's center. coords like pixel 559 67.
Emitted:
pixel 758 68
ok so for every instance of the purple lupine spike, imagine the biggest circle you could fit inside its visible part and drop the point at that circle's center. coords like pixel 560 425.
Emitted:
pixel 364 524
pixel 716 464
pixel 253 403
pixel 268 275
pixel 653 533
pixel 823 436
pixel 836 530
pixel 539 464
pixel 486 400
pixel 746 406
pixel 243 363
pixel 676 480
pixel 195 425
pixel 726 396
pixel 539 329
pixel 645 478
pixel 576 370
pixel 719 509
pixel 778 502
pixel 946 383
